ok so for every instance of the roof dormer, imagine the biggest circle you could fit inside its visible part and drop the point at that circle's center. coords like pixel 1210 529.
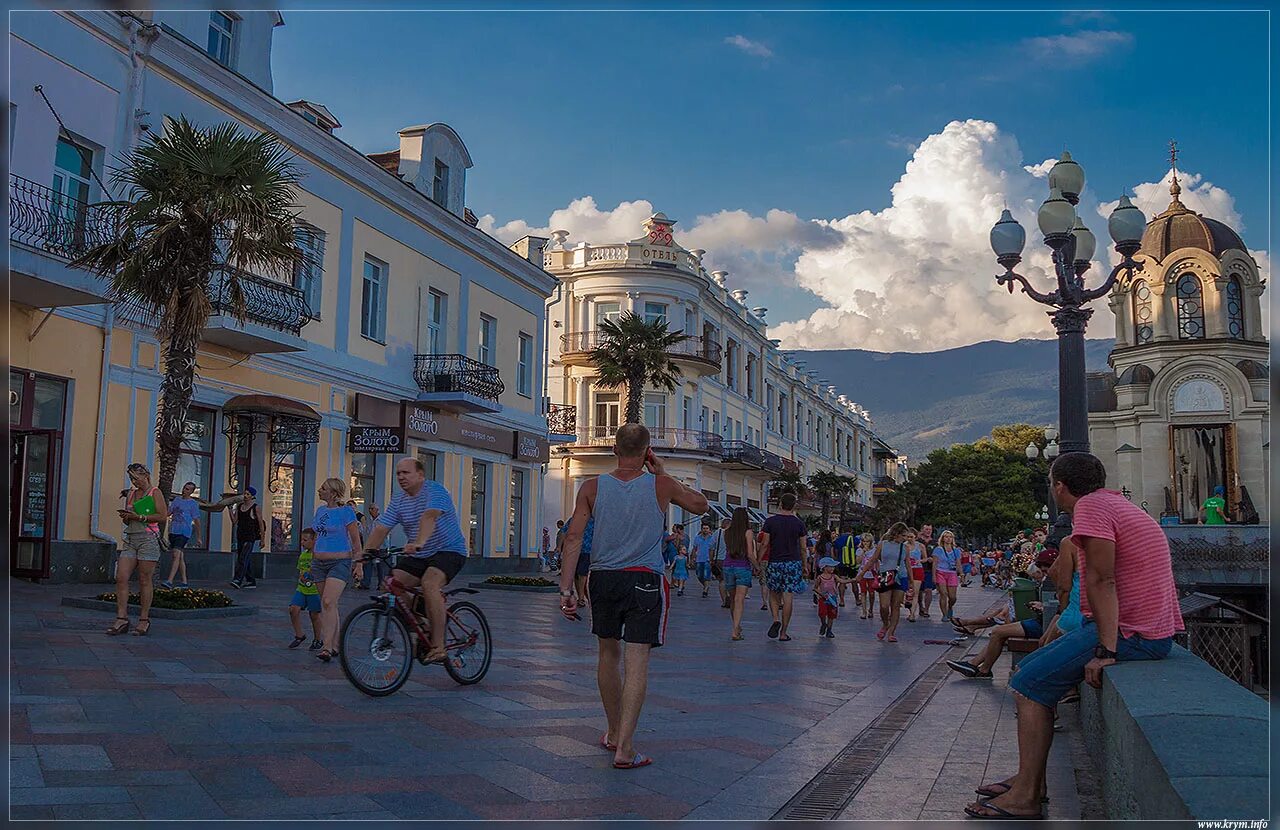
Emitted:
pixel 317 114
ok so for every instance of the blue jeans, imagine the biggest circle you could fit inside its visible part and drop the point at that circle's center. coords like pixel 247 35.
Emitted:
pixel 244 562
pixel 703 570
pixel 1047 674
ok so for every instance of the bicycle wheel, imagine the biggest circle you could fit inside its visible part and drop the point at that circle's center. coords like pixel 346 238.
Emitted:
pixel 376 661
pixel 467 664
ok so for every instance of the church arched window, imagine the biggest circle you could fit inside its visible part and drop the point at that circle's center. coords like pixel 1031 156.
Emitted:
pixel 1190 308
pixel 1142 328
pixel 1235 309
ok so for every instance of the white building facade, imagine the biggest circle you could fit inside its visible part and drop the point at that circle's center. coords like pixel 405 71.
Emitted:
pixel 744 412
pixel 414 333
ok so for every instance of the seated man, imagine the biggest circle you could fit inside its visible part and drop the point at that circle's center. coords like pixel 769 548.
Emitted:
pixel 982 669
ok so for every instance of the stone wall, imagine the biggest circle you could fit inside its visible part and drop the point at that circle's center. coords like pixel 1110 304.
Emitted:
pixel 1174 739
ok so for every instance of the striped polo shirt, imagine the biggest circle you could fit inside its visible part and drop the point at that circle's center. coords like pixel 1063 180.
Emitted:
pixel 1145 590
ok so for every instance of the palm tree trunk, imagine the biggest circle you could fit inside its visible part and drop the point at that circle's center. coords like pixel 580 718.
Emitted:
pixel 635 400
pixel 176 390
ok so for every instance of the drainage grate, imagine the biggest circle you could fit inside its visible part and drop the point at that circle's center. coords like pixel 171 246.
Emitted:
pixel 831 790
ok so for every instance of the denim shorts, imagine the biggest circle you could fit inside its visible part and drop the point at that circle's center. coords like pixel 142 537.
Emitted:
pixel 322 569
pixel 737 578
pixel 1032 628
pixel 703 570
pixel 1047 674
pixel 143 545
pixel 307 602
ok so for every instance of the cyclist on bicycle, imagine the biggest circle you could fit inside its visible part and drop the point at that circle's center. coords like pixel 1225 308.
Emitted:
pixel 436 549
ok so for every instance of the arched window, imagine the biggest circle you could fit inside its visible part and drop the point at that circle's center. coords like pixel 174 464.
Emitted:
pixel 1142 329
pixel 1190 308
pixel 1235 309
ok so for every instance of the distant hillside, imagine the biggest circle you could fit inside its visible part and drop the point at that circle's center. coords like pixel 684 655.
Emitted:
pixel 922 401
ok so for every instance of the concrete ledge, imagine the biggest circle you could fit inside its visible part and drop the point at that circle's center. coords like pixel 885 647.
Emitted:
pixel 165 613
pixel 79 562
pixel 532 589
pixel 1174 739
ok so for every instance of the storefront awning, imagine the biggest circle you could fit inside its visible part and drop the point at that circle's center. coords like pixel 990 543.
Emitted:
pixel 757 515
pixel 719 510
pixel 269 405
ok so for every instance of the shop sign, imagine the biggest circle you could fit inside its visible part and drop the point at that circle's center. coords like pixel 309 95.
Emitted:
pixel 530 446
pixel 377 411
pixel 375 439
pixel 432 424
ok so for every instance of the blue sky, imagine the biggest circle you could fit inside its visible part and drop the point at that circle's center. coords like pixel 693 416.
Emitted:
pixel 814 116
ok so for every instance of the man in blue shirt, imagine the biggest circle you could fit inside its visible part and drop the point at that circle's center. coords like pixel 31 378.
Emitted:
pixel 184 519
pixel 436 549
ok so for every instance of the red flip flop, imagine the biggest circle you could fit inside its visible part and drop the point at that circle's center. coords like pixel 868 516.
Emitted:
pixel 634 763
pixel 604 743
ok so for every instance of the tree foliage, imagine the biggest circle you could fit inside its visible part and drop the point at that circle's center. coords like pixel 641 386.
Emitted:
pixel 634 354
pixel 1014 438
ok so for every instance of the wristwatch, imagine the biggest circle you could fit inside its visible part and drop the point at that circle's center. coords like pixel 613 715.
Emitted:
pixel 566 594
pixel 1101 652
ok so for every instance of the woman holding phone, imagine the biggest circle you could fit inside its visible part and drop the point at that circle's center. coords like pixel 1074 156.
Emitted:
pixel 142 511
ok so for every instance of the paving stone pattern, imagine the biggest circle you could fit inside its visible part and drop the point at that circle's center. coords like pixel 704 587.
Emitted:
pixel 217 719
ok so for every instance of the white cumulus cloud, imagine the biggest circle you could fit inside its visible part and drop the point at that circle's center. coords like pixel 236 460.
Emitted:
pixel 751 47
pixel 1076 47
pixel 1198 194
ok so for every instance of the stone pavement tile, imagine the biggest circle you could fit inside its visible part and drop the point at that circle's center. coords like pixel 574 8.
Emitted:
pixel 27 700
pixel 326 806
pixel 17 751
pixel 51 713
pixel 96 812
pixel 860 810
pixel 25 772
pixel 118 778
pixel 728 810
pixel 563 746
pixel 237 780
pixel 67 795
pixel 73 757
pixel 653 807
pixel 686 788
pixel 30 813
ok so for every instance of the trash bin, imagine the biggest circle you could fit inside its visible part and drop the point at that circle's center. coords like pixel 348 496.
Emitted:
pixel 1024 591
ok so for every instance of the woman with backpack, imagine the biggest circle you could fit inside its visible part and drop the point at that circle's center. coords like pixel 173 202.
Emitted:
pixel 891 560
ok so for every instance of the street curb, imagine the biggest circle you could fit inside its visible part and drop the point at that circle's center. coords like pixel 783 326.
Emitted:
pixel 531 589
pixel 166 613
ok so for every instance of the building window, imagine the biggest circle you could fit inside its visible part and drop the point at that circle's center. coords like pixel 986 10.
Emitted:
pixel 286 501
pixel 768 406
pixel 241 455
pixel 655 313
pixel 731 364
pixel 437 315
pixel 515 521
pixel 309 269
pixel 655 410
pixel 72 166
pixel 1142 328
pixel 524 365
pixel 428 460
pixel 690 322
pixel 1190 308
pixel 222 32
pixel 440 184
pixel 195 463
pixel 364 470
pixel 1235 309
pixel 373 300
pixel 479 492
pixel 862 456
pixel 715 422
pixel 488 326
pixel 608 411
pixel 608 311
pixel 751 377
pixel 686 413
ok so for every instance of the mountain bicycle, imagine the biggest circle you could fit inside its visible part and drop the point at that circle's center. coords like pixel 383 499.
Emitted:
pixel 377 652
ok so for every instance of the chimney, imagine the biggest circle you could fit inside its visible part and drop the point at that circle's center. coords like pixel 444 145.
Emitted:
pixel 531 248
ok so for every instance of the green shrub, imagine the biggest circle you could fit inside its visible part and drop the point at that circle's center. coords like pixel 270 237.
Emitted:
pixel 530 581
pixel 179 598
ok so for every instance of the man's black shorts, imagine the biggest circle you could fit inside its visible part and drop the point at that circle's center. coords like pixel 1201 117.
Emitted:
pixel 629 606
pixel 446 562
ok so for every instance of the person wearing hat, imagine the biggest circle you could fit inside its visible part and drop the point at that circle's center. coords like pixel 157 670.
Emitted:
pixel 250 530
pixel 1214 509
pixel 826 590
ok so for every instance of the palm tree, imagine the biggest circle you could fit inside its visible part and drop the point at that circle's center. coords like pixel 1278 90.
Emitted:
pixel 827 484
pixel 633 354
pixel 195 199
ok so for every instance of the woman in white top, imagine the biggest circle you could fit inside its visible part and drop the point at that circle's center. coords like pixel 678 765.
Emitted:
pixel 890 560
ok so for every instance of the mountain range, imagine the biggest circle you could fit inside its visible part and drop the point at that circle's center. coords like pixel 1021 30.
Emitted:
pixel 920 401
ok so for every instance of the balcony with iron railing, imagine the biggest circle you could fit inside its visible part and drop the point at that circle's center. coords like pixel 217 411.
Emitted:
pixel 562 421
pixel 458 382
pixel 44 224
pixel 701 353
pixel 884 483
pixel 749 455
pixel 595 437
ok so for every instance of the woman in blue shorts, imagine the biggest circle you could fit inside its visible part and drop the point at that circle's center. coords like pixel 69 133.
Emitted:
pixel 337 539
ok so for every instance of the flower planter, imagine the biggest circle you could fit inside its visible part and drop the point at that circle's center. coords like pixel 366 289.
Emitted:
pixel 92 604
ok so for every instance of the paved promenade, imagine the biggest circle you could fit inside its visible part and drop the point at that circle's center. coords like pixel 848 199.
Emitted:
pixel 216 718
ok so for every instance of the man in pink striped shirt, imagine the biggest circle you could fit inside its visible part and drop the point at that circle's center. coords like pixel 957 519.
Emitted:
pixel 1130 608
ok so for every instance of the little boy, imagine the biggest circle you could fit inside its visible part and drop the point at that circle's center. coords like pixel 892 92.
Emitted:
pixel 307 595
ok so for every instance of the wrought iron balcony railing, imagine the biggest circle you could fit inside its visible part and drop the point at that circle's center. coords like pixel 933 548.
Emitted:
pixel 266 302
pixel 54 222
pixel 742 452
pixel 457 373
pixel 562 419
pixel 884 481
pixel 697 348
pixel 668 438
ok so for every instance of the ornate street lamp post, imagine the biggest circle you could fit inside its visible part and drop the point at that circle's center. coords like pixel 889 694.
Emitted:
pixel 1073 246
pixel 1049 453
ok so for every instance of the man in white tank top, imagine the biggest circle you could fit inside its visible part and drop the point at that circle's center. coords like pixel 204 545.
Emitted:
pixel 628 592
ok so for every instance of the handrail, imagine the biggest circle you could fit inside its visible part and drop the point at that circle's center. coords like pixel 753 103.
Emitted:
pixel 694 347
pixel 691 440
pixel 457 373
pixel 54 222
pixel 270 303
pixel 562 419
